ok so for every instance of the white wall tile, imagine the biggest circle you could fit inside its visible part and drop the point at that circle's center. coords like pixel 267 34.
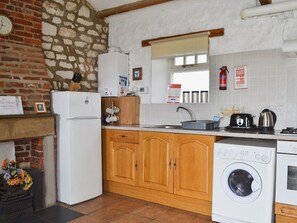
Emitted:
pixel 272 80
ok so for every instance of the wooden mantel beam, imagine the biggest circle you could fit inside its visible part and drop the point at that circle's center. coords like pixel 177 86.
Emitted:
pixel 129 7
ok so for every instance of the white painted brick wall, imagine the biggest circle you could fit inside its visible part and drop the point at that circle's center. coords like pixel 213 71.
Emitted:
pixel 272 76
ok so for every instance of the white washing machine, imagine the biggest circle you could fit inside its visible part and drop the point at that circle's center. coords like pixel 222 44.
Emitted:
pixel 243 181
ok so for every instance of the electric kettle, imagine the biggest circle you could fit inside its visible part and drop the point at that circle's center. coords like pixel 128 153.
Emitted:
pixel 267 120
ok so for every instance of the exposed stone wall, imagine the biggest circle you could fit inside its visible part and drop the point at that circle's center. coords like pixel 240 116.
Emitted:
pixel 72 39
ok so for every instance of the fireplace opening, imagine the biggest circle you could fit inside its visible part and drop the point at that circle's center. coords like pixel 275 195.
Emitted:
pixel 37 189
pixel 14 201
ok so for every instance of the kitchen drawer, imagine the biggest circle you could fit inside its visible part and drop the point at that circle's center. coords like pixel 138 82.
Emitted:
pixel 286 210
pixel 125 136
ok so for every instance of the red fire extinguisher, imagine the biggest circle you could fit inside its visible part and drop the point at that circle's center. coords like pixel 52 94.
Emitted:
pixel 223 78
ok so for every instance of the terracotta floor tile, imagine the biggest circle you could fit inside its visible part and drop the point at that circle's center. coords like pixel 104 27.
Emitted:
pixel 107 214
pixel 151 211
pixel 113 208
pixel 130 218
pixel 96 203
pixel 199 220
pixel 138 201
pixel 174 215
pixel 127 206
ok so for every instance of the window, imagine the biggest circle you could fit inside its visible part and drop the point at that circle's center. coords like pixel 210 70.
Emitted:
pixel 191 71
pixel 190 60
pixel 181 60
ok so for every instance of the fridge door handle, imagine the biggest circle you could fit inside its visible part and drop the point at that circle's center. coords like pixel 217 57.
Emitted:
pixel 84 117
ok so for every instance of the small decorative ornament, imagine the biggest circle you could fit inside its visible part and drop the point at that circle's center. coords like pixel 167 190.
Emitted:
pixel 6 25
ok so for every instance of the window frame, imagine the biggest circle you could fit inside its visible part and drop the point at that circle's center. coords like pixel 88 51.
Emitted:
pixel 196 64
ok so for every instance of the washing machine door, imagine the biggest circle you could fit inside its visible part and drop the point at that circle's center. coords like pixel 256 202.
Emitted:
pixel 241 183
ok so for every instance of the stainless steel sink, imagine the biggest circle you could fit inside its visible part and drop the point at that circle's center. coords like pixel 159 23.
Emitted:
pixel 200 125
pixel 165 126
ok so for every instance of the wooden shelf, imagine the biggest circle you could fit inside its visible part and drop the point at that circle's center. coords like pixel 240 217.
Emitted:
pixel 212 33
pixel 26 126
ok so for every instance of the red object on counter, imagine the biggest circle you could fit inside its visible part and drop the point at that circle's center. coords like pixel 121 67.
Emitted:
pixel 223 78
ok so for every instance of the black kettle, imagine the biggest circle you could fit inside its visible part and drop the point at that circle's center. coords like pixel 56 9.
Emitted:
pixel 267 120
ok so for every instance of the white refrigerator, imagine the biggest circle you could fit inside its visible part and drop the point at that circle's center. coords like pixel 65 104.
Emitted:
pixel 79 156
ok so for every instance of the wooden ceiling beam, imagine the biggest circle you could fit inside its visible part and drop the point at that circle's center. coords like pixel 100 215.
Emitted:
pixel 129 7
pixel 212 33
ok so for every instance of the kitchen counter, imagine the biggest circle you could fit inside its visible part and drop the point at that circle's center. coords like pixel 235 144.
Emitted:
pixel 217 132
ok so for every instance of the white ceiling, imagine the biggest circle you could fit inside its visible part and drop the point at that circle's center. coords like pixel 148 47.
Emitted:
pixel 106 4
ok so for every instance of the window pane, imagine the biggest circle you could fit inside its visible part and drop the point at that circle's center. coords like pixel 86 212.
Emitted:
pixel 190 60
pixel 292 178
pixel 202 58
pixel 192 80
pixel 178 61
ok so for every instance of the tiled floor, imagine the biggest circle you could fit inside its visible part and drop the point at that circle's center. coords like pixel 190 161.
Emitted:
pixel 114 208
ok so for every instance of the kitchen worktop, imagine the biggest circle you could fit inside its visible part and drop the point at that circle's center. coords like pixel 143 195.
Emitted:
pixel 217 132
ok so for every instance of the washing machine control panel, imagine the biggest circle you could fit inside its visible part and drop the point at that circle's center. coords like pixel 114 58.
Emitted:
pixel 243 154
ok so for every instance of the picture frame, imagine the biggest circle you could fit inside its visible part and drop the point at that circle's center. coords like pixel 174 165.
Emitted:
pixel 137 74
pixel 39 107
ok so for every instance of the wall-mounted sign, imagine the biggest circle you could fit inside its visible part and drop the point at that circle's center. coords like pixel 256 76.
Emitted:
pixel 11 105
pixel 240 77
pixel 174 93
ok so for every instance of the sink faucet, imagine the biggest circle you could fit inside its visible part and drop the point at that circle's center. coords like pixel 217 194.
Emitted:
pixel 192 115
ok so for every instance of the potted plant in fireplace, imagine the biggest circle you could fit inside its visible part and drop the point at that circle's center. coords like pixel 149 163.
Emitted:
pixel 14 178
pixel 15 199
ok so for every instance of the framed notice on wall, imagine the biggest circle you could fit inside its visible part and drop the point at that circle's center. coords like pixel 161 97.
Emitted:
pixel 240 77
pixel 174 93
pixel 11 105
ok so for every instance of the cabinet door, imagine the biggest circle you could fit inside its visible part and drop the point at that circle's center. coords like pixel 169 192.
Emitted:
pixel 193 160
pixel 156 161
pixel 122 165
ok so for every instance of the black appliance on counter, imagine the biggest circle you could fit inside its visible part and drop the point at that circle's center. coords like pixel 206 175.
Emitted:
pixel 241 121
pixel 289 130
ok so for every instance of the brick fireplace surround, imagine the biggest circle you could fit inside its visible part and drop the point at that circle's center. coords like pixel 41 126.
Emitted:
pixel 16 127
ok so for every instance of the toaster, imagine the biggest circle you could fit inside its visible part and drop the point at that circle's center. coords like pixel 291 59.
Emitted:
pixel 242 121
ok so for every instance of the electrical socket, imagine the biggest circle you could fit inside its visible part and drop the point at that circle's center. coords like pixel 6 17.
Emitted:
pixel 143 90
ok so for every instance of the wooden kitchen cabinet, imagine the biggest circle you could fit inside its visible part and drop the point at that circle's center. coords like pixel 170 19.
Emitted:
pixel 121 148
pixel 177 163
pixel 193 163
pixel 166 168
pixel 156 161
pixel 285 213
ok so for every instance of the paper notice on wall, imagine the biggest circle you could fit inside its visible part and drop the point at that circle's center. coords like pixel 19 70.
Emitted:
pixel 7 151
pixel 240 77
pixel 11 105
pixel 174 93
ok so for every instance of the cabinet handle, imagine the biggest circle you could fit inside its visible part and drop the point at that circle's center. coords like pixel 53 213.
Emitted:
pixel 174 164
pixel 135 165
pixel 123 136
pixel 170 163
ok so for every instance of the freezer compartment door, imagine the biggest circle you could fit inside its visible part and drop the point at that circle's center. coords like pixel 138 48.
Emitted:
pixel 76 104
pixel 84 104
pixel 85 159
